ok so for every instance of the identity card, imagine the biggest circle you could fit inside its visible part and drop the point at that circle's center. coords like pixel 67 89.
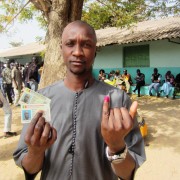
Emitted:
pixel 28 111
pixel 31 97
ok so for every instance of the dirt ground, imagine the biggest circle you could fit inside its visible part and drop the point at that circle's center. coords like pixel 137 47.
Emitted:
pixel 162 143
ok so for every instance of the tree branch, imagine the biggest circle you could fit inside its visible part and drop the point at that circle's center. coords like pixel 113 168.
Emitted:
pixel 43 5
pixel 15 16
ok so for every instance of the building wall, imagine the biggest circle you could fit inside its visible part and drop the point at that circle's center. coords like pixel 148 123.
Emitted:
pixel 163 54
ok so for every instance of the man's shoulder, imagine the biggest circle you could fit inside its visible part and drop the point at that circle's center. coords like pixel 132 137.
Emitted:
pixel 50 87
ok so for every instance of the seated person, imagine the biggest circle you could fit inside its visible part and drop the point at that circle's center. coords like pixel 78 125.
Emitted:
pixel 140 81
pixel 176 86
pixel 102 75
pixel 156 80
pixel 111 75
pixel 119 80
pixel 169 82
pixel 127 79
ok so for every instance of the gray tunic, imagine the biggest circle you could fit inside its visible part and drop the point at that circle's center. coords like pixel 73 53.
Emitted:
pixel 79 151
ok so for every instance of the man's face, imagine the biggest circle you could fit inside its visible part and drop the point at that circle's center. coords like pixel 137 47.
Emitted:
pixel 26 115
pixel 78 48
pixel 26 98
pixel 155 71
pixel 16 65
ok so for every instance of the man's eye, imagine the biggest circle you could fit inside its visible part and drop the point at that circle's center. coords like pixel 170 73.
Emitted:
pixel 88 45
pixel 69 44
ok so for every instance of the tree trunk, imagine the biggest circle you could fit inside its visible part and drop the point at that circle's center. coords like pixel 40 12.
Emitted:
pixel 61 13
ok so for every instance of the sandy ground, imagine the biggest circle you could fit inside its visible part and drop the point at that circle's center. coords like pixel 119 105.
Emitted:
pixel 162 143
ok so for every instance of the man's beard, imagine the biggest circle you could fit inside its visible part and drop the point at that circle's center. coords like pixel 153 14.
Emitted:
pixel 78 72
pixel 82 72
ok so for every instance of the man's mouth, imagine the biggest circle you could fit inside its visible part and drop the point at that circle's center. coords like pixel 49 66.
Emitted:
pixel 77 63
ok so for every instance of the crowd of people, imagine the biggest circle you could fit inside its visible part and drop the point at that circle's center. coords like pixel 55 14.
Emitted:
pixel 124 81
pixel 13 78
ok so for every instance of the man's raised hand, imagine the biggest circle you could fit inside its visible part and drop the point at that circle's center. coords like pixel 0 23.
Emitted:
pixel 116 124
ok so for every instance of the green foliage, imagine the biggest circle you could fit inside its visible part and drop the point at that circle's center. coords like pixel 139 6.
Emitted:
pixel 108 13
pixel 99 13
pixel 120 13
pixel 21 10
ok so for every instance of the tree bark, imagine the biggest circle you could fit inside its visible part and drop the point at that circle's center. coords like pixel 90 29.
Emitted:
pixel 61 13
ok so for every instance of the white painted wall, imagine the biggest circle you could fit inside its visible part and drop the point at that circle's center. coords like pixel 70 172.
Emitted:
pixel 162 54
pixel 109 57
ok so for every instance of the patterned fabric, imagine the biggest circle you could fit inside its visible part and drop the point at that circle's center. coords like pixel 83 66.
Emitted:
pixel 6 74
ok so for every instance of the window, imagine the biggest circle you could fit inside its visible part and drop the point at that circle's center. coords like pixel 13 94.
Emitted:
pixel 136 56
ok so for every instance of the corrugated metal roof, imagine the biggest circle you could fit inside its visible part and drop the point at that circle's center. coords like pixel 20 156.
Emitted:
pixel 140 32
pixel 31 48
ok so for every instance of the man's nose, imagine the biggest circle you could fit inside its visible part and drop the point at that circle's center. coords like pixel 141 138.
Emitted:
pixel 78 50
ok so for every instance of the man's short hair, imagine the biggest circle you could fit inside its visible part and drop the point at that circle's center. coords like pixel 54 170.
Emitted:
pixel 155 69
pixel 138 70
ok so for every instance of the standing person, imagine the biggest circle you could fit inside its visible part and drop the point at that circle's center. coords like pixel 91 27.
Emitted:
pixel 168 84
pixel 40 70
pixel 7 117
pixel 32 74
pixel 156 80
pixel 140 81
pixel 25 75
pixel 7 82
pixel 17 83
pixel 1 78
pixel 127 79
pixel 91 140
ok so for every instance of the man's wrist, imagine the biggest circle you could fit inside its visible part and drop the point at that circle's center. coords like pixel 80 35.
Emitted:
pixel 117 158
pixel 116 150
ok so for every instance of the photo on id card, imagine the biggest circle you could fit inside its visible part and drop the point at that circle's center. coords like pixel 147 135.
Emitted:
pixel 26 115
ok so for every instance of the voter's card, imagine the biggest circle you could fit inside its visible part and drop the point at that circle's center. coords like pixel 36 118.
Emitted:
pixel 31 97
pixel 28 111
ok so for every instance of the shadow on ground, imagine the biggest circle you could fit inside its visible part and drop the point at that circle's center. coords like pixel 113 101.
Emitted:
pixel 162 117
